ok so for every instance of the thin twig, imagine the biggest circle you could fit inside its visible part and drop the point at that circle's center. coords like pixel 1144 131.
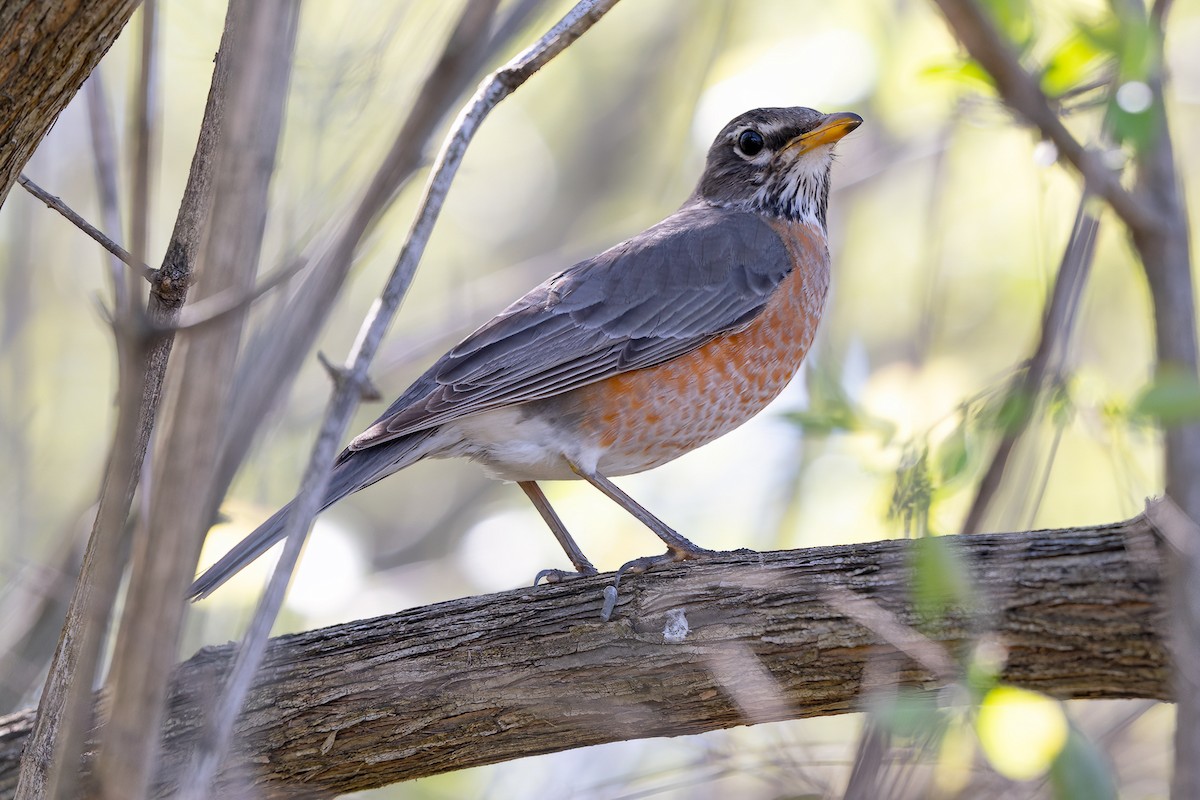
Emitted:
pixel 345 397
pixel 79 222
pixel 104 155
pixel 1057 326
pixel 275 355
pixel 146 102
pixel 1021 91
pixel 210 309
pixel 1159 12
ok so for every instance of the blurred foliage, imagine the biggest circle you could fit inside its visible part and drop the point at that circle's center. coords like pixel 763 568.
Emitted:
pixel 1172 397
pixel 940 580
pixel 947 223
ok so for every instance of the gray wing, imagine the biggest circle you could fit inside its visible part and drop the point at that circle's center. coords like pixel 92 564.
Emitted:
pixel 699 273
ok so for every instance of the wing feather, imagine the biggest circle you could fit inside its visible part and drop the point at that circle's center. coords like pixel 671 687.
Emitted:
pixel 701 272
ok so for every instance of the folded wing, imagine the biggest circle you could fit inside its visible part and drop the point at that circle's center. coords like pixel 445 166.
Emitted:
pixel 699 273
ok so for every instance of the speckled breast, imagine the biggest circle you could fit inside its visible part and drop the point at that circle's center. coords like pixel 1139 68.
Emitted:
pixel 648 417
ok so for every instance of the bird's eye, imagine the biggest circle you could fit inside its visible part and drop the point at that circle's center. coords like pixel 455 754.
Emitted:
pixel 750 142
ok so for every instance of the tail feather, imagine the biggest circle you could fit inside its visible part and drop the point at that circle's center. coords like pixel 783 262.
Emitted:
pixel 353 470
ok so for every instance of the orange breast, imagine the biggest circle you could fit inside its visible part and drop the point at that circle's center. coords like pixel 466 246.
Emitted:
pixel 647 417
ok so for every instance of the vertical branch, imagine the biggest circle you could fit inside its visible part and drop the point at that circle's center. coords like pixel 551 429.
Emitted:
pixel 165 552
pixel 1154 213
pixel 345 398
pixel 274 356
pixel 1165 252
pixel 104 153
pixel 50 763
pixel 1057 324
pixel 143 136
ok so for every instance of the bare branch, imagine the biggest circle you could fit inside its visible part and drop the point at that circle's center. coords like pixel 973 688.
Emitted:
pixel 1021 92
pixel 273 358
pixel 492 678
pixel 79 222
pixel 41 38
pixel 1058 323
pixel 211 309
pixel 167 546
pixel 346 394
pixel 104 154
pixel 144 128
pixel 64 712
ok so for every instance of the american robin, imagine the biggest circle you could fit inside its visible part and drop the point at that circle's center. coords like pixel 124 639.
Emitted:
pixel 633 357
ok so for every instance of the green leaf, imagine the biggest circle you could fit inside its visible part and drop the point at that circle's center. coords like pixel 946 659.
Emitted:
pixel 1173 397
pixel 910 714
pixel 1060 404
pixel 1139 57
pixel 1007 411
pixel 912 493
pixel 1071 64
pixel 1105 36
pixel 953 458
pixel 1136 129
pixel 966 71
pixel 830 409
pixel 1081 772
pixel 1015 20
pixel 940 581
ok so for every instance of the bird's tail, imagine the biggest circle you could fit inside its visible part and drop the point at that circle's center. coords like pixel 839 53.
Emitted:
pixel 353 470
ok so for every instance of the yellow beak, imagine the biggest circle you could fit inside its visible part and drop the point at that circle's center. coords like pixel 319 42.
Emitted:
pixel 832 128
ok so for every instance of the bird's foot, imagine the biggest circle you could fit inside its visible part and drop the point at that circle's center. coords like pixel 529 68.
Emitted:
pixel 561 575
pixel 691 552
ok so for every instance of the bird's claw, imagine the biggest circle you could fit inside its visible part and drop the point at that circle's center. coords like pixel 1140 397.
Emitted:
pixel 561 575
pixel 644 564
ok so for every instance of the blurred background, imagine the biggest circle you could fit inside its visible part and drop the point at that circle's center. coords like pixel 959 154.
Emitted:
pixel 947 225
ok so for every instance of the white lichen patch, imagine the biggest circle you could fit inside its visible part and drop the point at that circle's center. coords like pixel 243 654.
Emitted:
pixel 676 629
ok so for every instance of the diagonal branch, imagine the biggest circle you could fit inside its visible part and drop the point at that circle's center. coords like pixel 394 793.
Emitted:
pixel 274 355
pixel 346 395
pixel 1021 92
pixel 1045 365
pixel 753 638
pixel 91 230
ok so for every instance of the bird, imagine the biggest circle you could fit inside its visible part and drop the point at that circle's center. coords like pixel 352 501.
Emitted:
pixel 631 358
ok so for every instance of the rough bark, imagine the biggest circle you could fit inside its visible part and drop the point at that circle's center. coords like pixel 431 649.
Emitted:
pixel 47 50
pixel 487 679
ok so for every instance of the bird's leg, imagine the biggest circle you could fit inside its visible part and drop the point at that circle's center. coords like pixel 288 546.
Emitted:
pixel 678 548
pixel 578 559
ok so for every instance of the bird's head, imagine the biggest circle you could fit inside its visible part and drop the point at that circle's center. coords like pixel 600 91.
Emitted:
pixel 775 161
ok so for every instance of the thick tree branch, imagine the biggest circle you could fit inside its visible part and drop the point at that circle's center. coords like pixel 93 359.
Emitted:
pixel 47 50
pixel 492 678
